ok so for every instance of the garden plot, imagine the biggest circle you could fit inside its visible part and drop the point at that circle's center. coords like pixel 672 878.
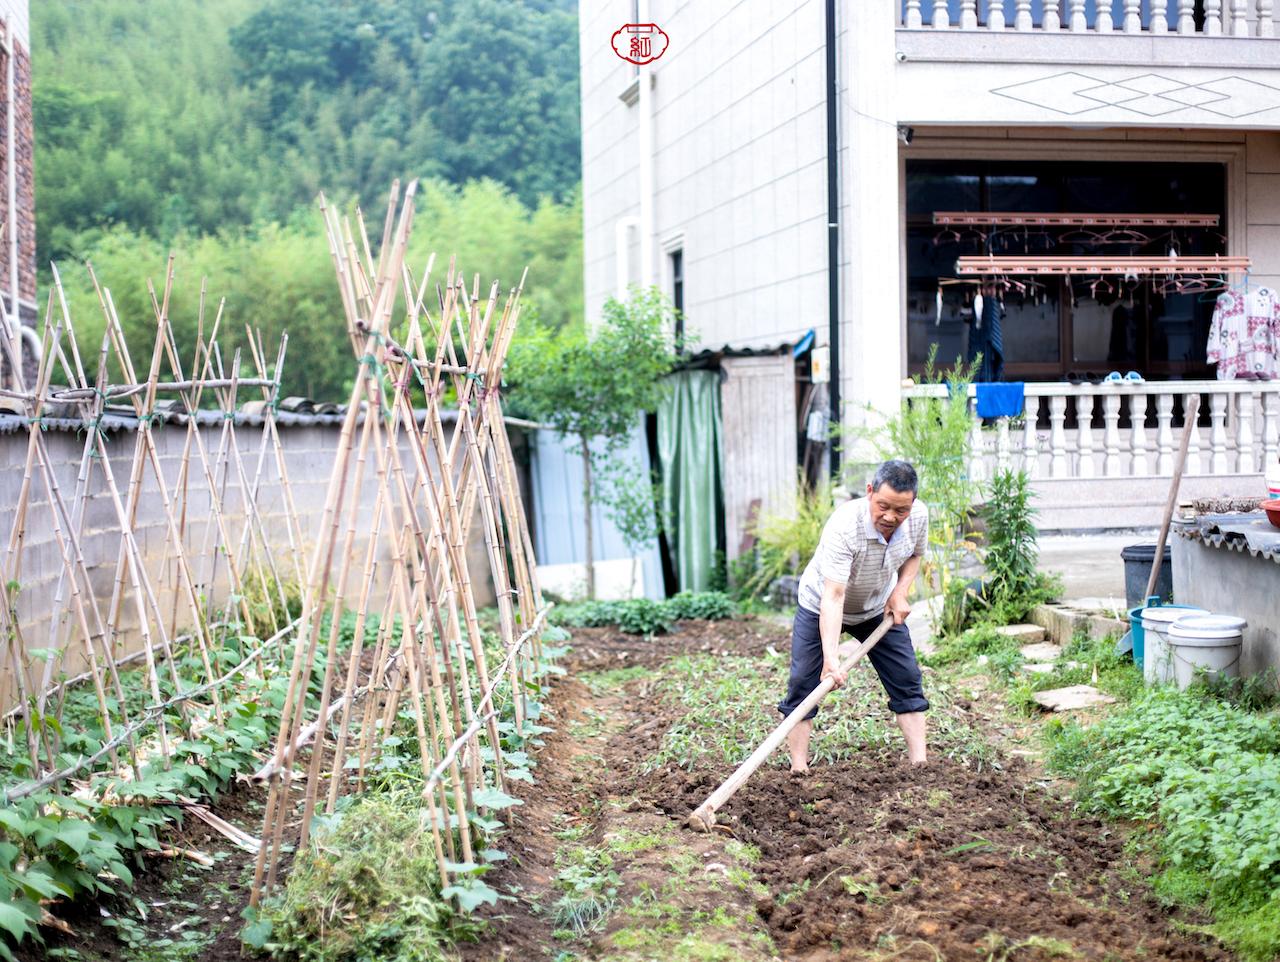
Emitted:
pixel 971 858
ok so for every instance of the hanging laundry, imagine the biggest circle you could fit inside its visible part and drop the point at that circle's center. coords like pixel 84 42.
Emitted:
pixel 986 339
pixel 1244 335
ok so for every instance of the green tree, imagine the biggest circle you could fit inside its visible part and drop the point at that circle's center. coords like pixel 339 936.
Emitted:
pixel 595 386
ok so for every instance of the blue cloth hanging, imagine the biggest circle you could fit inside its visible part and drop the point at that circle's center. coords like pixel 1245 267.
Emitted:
pixel 1003 400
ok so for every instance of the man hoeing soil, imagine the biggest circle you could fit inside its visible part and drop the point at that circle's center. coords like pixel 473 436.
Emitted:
pixel 866 561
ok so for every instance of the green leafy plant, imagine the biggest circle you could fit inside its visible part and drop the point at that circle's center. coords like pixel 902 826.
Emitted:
pixel 594 386
pixel 701 605
pixel 935 434
pixel 1208 773
pixel 1014 585
pixel 643 616
pixel 785 541
pixel 366 887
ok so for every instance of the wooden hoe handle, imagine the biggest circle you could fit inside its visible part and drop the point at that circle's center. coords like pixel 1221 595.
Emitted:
pixel 705 815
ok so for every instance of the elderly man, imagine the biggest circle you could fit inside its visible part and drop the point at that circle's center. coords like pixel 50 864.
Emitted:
pixel 867 558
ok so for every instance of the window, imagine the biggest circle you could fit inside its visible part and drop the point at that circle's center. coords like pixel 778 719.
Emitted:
pixel 677 293
pixel 1064 325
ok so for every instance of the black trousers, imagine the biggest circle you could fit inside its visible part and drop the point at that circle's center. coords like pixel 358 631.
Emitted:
pixel 893 657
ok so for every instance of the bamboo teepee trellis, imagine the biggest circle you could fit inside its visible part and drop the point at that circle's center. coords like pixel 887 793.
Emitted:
pixel 396 560
pixel 162 587
pixel 431 488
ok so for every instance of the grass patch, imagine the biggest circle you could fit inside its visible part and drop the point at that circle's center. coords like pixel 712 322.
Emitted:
pixel 588 888
pixel 613 680
pixel 728 704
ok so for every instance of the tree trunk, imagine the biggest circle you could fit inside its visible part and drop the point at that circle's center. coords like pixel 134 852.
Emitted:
pixel 586 502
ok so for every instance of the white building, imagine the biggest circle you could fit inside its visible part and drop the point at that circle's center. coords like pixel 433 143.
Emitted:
pixel 706 172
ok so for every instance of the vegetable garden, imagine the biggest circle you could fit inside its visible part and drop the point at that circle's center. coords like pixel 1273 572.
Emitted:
pixel 316 744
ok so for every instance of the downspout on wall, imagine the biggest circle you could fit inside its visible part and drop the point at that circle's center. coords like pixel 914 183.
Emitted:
pixel 833 235
pixel 646 163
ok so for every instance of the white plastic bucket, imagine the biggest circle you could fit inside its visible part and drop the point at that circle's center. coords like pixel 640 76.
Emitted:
pixel 1157 660
pixel 1206 643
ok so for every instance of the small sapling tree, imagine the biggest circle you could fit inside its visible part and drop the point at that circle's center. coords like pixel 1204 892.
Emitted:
pixel 593 386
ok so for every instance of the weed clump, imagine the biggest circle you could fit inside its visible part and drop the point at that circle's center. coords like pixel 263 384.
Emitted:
pixel 366 888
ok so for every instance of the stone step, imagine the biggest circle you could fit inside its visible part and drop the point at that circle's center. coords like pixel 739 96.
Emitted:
pixel 1072 698
pixel 1023 634
pixel 1041 651
pixel 1046 667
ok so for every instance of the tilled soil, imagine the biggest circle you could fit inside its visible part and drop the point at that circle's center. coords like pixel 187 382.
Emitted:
pixel 873 859
pixel 940 862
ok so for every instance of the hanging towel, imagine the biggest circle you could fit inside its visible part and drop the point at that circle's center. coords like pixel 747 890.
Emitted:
pixel 1003 400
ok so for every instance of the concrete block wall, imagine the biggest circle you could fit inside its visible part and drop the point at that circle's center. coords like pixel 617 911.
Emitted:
pixel 309 453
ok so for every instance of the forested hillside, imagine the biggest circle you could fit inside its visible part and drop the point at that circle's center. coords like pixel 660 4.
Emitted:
pixel 209 126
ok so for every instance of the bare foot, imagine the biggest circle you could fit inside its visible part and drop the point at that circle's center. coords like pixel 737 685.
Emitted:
pixel 799 772
pixel 923 763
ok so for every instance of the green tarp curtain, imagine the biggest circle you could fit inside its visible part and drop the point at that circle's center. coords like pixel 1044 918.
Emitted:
pixel 689 458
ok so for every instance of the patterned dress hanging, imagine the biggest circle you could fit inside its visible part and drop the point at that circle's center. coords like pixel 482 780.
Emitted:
pixel 1245 334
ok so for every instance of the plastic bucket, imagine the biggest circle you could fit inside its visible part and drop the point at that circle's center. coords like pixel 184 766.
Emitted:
pixel 1138 559
pixel 1135 628
pixel 1157 659
pixel 1206 644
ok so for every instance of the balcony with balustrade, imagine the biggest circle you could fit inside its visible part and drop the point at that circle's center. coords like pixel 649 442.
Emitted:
pixel 1156 18
pixel 1101 455
pixel 1183 63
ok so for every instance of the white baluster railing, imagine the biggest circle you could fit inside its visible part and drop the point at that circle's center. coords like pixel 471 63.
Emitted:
pixel 1030 440
pixel 977 465
pixel 1236 18
pixel 1270 428
pixel 1111 435
pixel 1159 16
pixel 1186 16
pixel 1084 435
pixel 1132 16
pixel 1022 16
pixel 1193 447
pixel 1246 448
pixel 1212 18
pixel 1218 434
pixel 1164 434
pixel 1239 18
pixel 1059 466
pixel 1102 19
pixel 1079 22
pixel 1138 466
pixel 1243 430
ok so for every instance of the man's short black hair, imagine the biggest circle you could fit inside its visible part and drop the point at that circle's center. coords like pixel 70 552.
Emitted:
pixel 898 475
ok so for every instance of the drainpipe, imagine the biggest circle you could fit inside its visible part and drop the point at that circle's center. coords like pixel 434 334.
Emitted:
pixel 15 319
pixel 833 236
pixel 646 163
